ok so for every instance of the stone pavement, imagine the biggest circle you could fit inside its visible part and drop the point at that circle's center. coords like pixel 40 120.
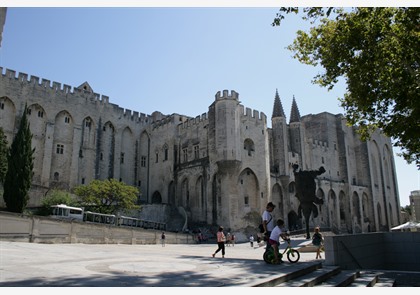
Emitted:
pixel 116 265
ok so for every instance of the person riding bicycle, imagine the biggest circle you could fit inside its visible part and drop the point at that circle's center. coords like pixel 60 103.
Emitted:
pixel 274 239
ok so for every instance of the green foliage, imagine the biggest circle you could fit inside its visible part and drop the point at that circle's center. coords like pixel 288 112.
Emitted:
pixel 108 196
pixel 407 209
pixel 56 197
pixel 3 155
pixel 376 51
pixel 18 178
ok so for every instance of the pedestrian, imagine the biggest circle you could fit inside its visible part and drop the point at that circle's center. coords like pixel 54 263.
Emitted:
pixel 221 239
pixel 232 239
pixel 228 239
pixel 162 237
pixel 317 241
pixel 251 240
pixel 274 239
pixel 268 222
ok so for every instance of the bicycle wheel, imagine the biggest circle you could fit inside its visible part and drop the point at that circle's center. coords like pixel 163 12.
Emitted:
pixel 269 256
pixel 293 255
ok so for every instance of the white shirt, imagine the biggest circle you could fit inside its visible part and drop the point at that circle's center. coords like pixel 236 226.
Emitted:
pixel 267 216
pixel 275 234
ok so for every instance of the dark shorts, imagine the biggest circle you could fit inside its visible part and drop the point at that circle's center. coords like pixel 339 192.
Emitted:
pixel 272 242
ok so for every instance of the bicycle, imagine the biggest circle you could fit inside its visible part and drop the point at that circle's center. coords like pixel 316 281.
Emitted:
pixel 293 255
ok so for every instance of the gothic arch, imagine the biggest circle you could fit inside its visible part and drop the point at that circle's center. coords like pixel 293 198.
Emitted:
pixel 37 119
pixel 143 164
pixel 293 221
pixel 87 151
pixel 323 213
pixel 156 198
pixel 277 198
pixel 367 212
pixel 127 156
pixel 107 151
pixel 185 194
pixel 171 193
pixel 197 202
pixel 62 154
pixel 345 213
pixel 357 216
pixel 332 211
pixel 248 191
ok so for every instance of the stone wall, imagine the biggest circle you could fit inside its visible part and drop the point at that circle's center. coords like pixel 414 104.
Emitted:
pixel 39 229
pixel 386 250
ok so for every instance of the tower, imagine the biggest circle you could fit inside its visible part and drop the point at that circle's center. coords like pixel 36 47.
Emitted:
pixel 279 138
pixel 296 132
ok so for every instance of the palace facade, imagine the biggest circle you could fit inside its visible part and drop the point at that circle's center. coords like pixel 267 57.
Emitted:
pixel 220 167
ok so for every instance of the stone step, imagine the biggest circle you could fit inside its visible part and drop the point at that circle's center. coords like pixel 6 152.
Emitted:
pixel 342 279
pixel 366 279
pixel 313 278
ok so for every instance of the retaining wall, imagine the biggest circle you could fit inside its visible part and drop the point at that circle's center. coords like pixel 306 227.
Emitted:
pixel 39 229
pixel 386 250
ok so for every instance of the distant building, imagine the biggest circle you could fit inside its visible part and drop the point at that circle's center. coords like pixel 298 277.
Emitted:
pixel 415 205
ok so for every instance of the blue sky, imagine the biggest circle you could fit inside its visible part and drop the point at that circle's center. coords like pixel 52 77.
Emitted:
pixel 173 59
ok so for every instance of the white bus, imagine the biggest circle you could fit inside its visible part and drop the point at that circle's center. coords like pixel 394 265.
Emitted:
pixel 66 212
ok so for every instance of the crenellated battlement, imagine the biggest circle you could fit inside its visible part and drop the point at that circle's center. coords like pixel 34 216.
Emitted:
pixel 194 122
pixel 54 86
pixel 252 114
pixel 234 95
pixel 79 93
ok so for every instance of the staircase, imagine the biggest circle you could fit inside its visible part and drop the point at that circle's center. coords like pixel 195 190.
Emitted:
pixel 317 275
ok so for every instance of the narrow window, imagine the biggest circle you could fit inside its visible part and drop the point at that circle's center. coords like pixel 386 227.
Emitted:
pixel 60 149
pixel 157 157
pixel 196 152
pixel 166 154
pixel 185 153
pixel 122 158
pixel 143 161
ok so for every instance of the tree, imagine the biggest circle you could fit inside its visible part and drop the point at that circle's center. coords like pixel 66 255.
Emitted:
pixel 407 209
pixel 55 197
pixel 3 155
pixel 20 165
pixel 376 51
pixel 109 196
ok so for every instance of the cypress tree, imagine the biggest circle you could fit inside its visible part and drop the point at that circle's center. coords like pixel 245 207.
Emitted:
pixel 3 155
pixel 20 165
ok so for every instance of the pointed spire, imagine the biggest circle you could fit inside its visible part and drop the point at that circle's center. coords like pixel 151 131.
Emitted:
pixel 278 108
pixel 294 113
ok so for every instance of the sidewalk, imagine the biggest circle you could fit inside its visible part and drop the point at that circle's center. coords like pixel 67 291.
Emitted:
pixel 86 265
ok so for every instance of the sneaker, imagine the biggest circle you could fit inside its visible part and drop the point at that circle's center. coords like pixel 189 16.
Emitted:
pixel 212 255
pixel 223 256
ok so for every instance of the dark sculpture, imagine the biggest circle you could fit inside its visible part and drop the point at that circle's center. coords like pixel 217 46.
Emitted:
pixel 306 193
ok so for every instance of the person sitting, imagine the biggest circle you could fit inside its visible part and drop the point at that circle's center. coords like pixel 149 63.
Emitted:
pixel 274 239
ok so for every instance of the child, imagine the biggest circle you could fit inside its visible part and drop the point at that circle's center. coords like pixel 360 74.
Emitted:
pixel 274 239
pixel 317 240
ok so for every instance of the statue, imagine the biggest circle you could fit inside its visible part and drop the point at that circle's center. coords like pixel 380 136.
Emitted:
pixel 306 193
